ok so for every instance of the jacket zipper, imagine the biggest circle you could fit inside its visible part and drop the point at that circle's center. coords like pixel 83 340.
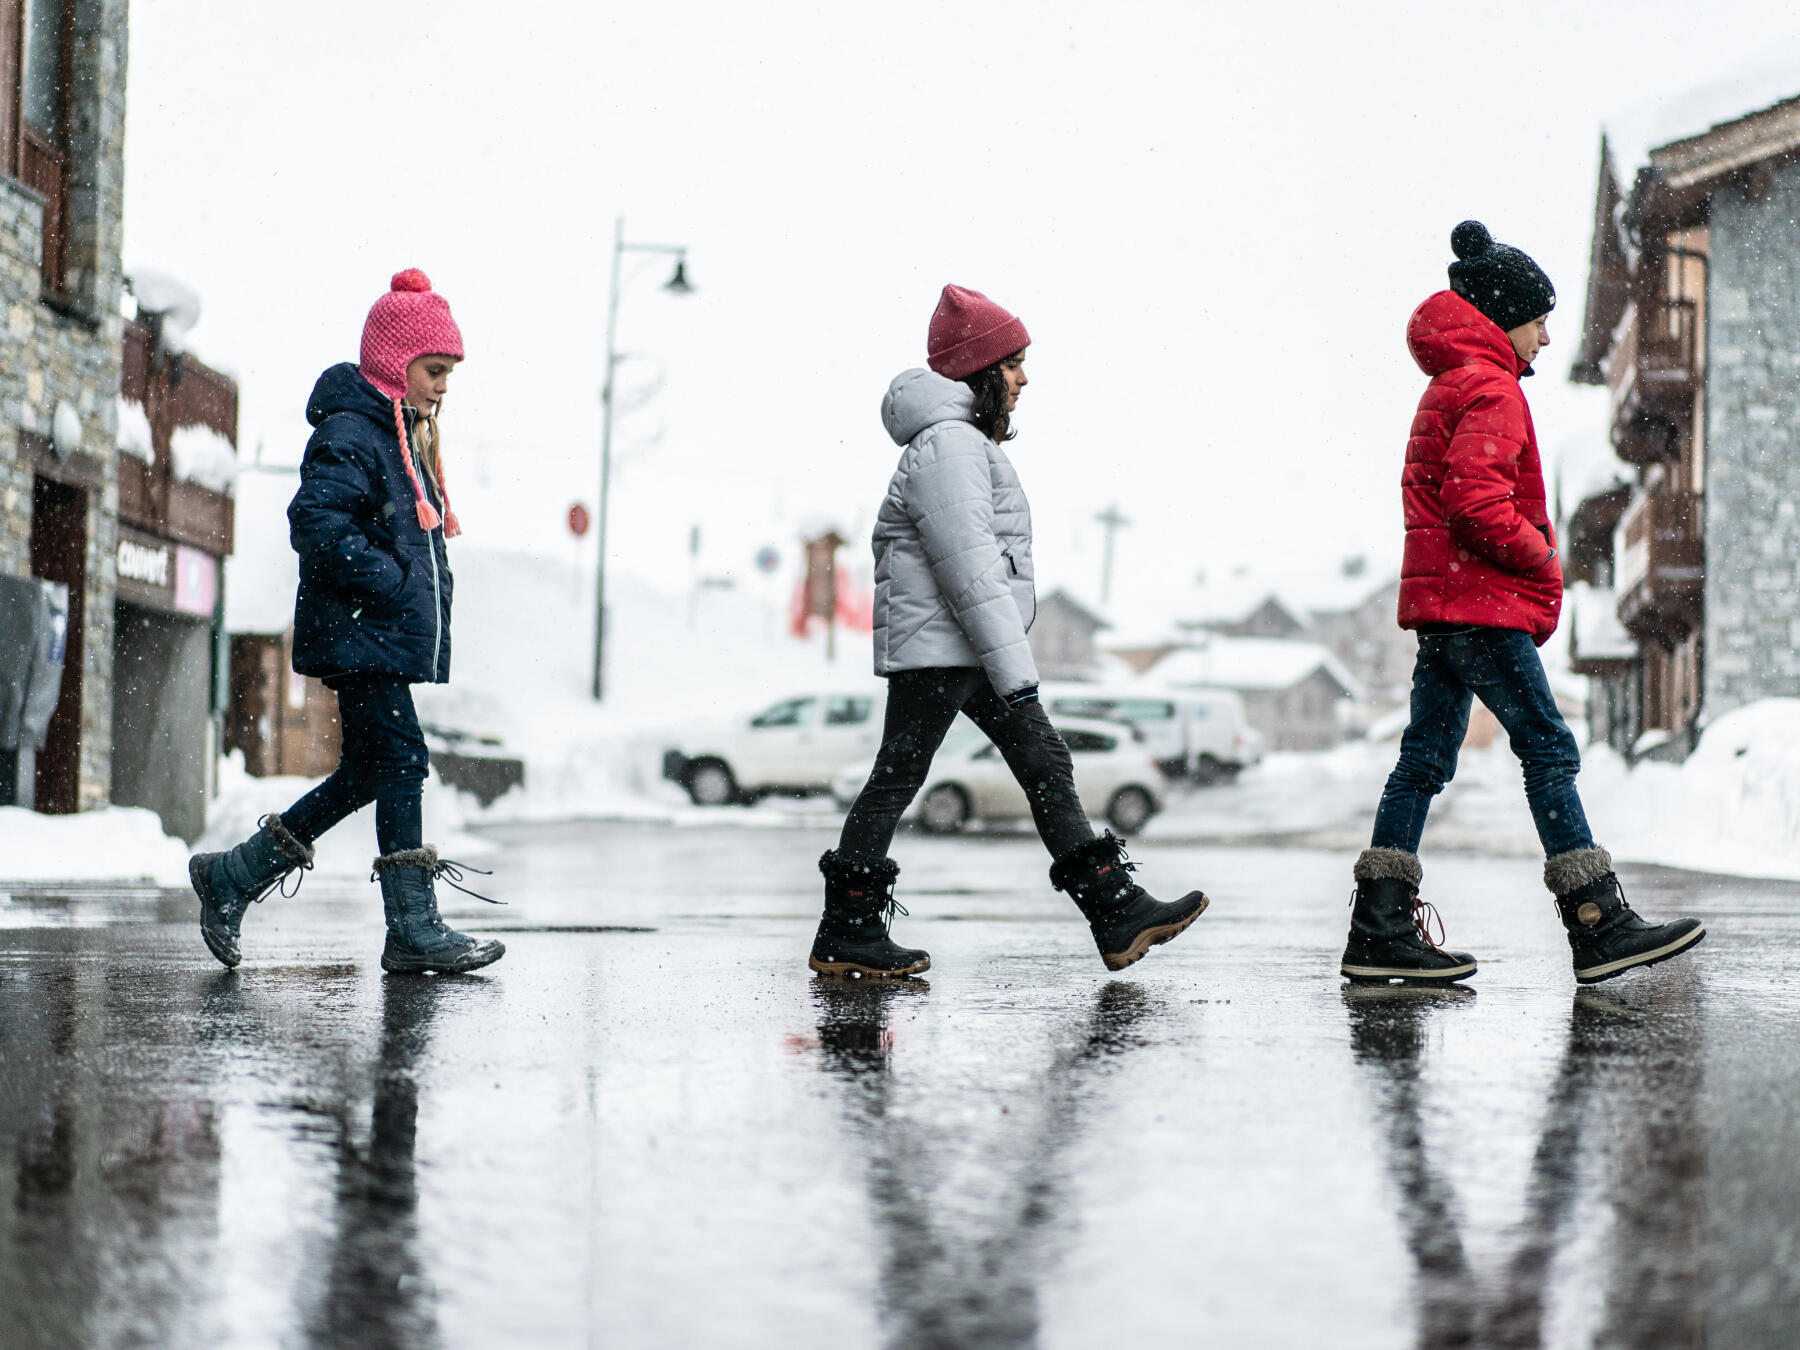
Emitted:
pixel 1007 553
pixel 437 599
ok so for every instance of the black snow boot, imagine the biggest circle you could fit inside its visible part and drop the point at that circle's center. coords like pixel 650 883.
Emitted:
pixel 1125 919
pixel 229 883
pixel 417 939
pixel 1606 936
pixel 1390 927
pixel 853 932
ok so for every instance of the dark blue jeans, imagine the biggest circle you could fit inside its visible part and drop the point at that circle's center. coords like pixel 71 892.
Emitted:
pixel 383 760
pixel 1501 667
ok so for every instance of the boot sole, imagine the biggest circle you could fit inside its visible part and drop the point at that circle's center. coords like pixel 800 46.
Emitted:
pixel 1388 974
pixel 1595 974
pixel 395 965
pixel 198 866
pixel 1152 937
pixel 839 968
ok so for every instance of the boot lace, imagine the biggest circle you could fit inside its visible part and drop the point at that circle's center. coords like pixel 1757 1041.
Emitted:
pixel 1424 918
pixel 296 868
pixel 452 872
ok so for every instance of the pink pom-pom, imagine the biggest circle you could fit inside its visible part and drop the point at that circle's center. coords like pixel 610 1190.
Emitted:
pixel 412 279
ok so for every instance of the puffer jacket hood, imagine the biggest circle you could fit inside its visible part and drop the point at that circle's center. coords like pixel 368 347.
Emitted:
pixel 1446 331
pixel 921 398
pixel 1480 548
pixel 341 388
pixel 953 571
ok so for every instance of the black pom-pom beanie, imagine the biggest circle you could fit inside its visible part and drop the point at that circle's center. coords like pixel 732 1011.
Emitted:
pixel 1499 280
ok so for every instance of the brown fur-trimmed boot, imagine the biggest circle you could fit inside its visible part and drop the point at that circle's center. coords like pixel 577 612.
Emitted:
pixel 1606 936
pixel 1390 937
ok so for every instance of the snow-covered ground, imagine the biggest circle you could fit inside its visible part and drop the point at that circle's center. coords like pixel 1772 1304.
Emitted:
pixel 521 673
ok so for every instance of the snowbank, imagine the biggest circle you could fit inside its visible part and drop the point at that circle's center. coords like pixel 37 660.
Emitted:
pixel 119 844
pixel 1732 807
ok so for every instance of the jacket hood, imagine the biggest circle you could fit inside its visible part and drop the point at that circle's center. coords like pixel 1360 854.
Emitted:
pixel 921 398
pixel 343 389
pixel 1446 331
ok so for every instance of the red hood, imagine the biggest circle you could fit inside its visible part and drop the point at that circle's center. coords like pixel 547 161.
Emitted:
pixel 1447 332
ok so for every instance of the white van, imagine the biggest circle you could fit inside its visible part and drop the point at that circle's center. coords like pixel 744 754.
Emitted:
pixel 1200 734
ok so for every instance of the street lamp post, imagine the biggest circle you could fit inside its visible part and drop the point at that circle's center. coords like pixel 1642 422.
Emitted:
pixel 679 285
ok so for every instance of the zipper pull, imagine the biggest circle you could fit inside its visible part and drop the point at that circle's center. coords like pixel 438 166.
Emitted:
pixel 1009 561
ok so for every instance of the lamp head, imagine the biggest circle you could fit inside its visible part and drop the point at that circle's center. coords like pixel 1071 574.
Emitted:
pixel 679 283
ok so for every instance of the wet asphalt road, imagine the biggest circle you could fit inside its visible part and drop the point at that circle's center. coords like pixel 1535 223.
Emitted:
pixel 649 1126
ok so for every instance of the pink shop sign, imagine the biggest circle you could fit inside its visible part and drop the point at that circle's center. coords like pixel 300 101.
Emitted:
pixel 196 581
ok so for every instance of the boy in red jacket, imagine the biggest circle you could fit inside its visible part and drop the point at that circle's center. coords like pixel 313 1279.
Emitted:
pixel 1481 586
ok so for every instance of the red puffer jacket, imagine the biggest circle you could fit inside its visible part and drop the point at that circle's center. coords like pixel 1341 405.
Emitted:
pixel 1478 547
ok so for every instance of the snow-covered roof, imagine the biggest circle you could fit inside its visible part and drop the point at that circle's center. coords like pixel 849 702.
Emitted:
pixel 1770 77
pixel 1249 663
pixel 177 302
pixel 1594 624
pixel 1239 594
pixel 262 573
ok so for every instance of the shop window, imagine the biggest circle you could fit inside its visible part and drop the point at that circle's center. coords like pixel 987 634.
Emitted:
pixel 35 70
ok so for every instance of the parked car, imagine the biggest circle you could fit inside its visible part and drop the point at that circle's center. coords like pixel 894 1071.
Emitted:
pixel 1200 734
pixel 1114 775
pixel 795 746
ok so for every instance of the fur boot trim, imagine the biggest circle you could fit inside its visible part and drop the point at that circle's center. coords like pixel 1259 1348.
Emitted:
pixel 833 863
pixel 291 848
pixel 426 857
pixel 1571 871
pixel 1385 864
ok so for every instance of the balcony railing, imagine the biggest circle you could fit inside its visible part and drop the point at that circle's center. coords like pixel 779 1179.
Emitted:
pixel 1653 373
pixel 1662 565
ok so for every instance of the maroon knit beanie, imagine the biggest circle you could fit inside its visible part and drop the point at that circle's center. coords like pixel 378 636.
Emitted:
pixel 970 332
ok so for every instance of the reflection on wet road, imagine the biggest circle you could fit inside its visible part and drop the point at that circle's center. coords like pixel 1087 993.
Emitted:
pixel 650 1126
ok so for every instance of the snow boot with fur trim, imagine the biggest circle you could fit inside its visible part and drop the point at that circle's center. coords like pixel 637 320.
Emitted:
pixel 1125 919
pixel 1606 936
pixel 853 932
pixel 229 883
pixel 1390 926
pixel 418 940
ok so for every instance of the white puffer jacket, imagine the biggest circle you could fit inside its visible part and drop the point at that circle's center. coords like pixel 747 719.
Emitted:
pixel 953 576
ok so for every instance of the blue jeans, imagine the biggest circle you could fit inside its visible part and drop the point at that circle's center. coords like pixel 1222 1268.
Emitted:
pixel 1501 667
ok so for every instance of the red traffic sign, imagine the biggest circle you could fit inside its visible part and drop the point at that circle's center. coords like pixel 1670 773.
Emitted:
pixel 578 520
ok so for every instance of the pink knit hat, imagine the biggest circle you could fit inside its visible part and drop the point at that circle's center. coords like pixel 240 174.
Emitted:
pixel 410 321
pixel 969 332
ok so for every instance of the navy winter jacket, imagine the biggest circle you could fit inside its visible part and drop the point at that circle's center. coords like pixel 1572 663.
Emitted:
pixel 374 587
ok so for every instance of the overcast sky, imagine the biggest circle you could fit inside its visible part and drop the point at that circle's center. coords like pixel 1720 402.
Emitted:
pixel 1214 219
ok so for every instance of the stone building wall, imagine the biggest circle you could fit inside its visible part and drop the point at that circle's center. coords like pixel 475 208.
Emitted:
pixel 1753 445
pixel 68 350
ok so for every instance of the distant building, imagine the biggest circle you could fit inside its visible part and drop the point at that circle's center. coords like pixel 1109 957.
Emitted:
pixel 1063 638
pixel 280 721
pixel 176 466
pixel 1297 694
pixel 1693 324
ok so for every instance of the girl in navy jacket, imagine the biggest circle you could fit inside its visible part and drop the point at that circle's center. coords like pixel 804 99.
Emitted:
pixel 371 619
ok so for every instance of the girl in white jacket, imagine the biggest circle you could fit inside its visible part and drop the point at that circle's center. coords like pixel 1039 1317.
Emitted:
pixel 953 599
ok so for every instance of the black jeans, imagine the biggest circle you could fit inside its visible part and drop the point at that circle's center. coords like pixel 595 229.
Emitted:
pixel 383 760
pixel 1502 668
pixel 921 706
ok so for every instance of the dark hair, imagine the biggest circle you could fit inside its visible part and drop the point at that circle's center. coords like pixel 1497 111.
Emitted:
pixel 989 414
